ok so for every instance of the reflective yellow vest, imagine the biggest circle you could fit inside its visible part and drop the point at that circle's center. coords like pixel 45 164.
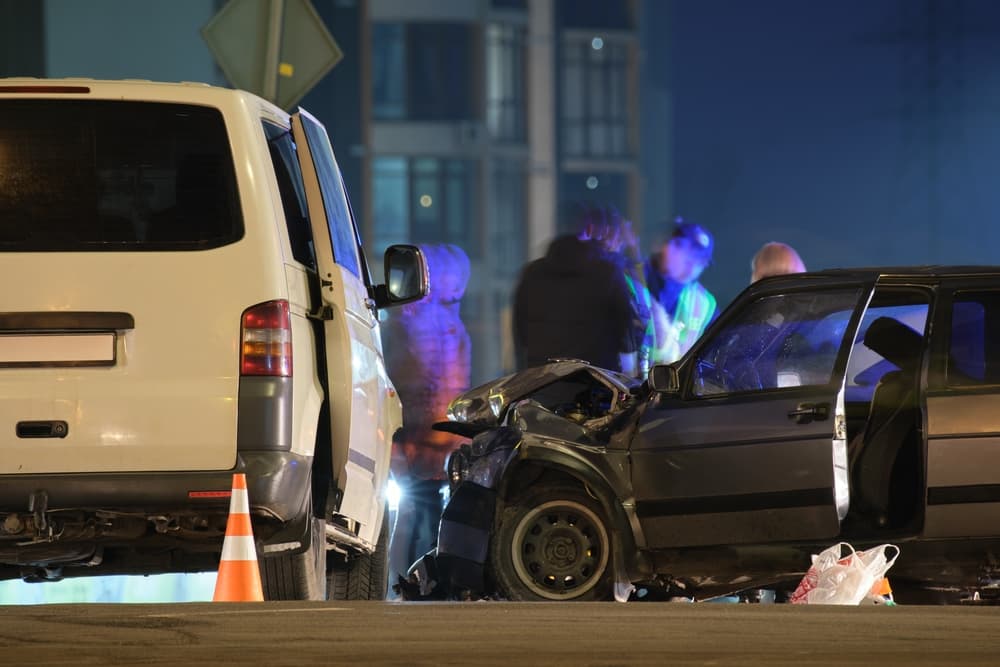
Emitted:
pixel 695 308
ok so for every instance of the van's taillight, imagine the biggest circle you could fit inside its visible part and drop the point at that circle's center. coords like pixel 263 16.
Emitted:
pixel 266 334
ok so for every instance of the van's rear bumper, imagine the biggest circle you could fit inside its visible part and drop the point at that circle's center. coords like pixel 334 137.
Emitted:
pixel 278 485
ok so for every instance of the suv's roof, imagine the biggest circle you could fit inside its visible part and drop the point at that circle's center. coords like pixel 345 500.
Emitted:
pixel 868 273
pixel 935 270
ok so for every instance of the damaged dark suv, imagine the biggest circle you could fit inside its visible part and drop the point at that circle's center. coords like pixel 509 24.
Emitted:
pixel 848 405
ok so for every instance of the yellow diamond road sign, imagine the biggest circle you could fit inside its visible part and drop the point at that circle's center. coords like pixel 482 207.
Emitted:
pixel 278 49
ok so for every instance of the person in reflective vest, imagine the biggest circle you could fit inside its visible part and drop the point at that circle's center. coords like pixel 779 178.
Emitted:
pixel 672 274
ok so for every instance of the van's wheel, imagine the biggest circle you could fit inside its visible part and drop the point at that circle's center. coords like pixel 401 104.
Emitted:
pixel 553 544
pixel 298 576
pixel 365 577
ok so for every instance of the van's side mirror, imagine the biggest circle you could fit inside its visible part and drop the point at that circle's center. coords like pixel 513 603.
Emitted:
pixel 663 378
pixel 405 276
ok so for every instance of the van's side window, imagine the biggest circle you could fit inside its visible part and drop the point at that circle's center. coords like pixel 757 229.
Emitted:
pixel 974 350
pixel 293 195
pixel 338 210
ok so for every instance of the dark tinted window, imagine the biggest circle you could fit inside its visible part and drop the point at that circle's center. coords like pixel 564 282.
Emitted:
pixel 974 350
pixel 596 14
pixel 105 175
pixel 293 196
pixel 423 71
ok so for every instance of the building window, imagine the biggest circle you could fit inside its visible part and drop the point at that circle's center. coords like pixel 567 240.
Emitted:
pixel 425 200
pixel 423 71
pixel 578 191
pixel 510 4
pixel 505 82
pixel 619 15
pixel 595 99
pixel 507 231
pixel 388 71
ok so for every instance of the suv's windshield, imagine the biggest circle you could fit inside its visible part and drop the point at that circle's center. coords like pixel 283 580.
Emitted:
pixel 106 175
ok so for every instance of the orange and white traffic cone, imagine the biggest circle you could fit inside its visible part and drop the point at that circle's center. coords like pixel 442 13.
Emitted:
pixel 239 575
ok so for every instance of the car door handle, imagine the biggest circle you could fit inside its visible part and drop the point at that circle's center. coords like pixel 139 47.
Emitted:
pixel 807 412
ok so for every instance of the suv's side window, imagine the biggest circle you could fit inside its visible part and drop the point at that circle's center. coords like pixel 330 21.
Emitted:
pixel 293 196
pixel 790 340
pixel 867 366
pixel 338 211
pixel 974 348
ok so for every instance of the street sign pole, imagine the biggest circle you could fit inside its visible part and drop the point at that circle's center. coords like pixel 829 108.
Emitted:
pixel 273 49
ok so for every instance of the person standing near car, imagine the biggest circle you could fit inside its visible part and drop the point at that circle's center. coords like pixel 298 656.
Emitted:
pixel 575 302
pixel 672 275
pixel 649 322
pixel 775 259
pixel 428 357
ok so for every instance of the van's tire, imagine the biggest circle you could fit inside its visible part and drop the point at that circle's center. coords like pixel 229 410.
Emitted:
pixel 552 544
pixel 298 576
pixel 365 577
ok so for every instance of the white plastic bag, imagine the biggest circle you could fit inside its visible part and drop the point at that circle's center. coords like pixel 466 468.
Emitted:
pixel 835 578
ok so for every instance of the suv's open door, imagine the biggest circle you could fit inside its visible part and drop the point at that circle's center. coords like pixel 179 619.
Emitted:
pixel 357 387
pixel 753 447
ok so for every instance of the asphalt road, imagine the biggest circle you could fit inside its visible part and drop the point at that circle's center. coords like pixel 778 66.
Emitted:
pixel 496 633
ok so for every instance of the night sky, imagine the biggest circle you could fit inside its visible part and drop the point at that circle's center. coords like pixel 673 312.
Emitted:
pixel 861 133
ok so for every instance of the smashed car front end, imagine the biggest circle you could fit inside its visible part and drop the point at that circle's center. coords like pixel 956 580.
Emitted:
pixel 566 416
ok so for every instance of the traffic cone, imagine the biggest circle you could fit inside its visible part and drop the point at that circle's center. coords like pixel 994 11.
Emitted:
pixel 239 575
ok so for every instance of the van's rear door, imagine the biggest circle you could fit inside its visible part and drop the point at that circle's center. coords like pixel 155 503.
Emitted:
pixel 118 332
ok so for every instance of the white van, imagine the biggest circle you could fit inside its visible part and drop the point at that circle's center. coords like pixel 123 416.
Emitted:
pixel 186 297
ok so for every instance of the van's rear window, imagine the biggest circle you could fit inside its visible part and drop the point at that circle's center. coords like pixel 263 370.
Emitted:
pixel 106 175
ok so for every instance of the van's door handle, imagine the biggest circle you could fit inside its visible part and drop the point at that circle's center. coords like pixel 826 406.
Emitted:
pixel 807 412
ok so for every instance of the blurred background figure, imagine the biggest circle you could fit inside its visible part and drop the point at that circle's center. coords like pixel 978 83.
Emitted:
pixel 428 357
pixel 575 301
pixel 775 259
pixel 672 275
pixel 607 226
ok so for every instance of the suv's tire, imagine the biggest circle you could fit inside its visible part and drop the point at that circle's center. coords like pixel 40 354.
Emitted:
pixel 298 576
pixel 552 544
pixel 365 577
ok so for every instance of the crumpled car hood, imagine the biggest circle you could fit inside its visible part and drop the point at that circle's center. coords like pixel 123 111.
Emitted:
pixel 486 405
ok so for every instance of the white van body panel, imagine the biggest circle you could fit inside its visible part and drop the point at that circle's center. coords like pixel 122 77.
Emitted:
pixel 158 429
pixel 169 402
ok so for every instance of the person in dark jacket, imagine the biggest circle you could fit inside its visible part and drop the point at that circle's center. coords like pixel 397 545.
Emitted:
pixel 574 303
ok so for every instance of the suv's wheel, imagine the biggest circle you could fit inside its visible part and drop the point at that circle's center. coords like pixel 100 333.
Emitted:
pixel 365 577
pixel 298 576
pixel 553 544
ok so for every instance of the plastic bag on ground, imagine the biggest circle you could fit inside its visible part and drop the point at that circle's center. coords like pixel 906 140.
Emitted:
pixel 836 578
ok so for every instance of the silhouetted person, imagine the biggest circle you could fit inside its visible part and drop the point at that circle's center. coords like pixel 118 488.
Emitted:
pixel 575 302
pixel 428 356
